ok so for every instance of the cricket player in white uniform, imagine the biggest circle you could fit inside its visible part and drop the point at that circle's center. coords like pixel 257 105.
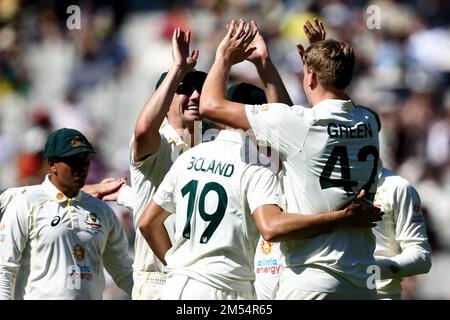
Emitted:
pixel 222 201
pixel 402 243
pixel 402 247
pixel 163 130
pixel 329 152
pixel 108 189
pixel 65 236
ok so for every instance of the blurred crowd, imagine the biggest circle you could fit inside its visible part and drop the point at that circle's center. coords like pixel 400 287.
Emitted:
pixel 97 78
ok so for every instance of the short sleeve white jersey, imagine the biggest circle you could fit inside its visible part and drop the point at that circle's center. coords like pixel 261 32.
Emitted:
pixel 214 192
pixel 329 153
pixel 401 234
pixel 146 176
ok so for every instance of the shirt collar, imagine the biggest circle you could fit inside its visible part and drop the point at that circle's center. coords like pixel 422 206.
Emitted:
pixel 237 136
pixel 345 105
pixel 171 135
pixel 54 192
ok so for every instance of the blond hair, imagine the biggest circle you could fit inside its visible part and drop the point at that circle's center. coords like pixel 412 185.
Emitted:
pixel 333 62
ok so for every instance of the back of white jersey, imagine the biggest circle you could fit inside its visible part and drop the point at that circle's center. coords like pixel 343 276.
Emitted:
pixel 213 192
pixel 329 153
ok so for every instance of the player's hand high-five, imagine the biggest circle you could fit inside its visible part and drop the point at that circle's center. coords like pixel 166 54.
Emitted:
pixel 180 49
pixel 313 33
pixel 234 47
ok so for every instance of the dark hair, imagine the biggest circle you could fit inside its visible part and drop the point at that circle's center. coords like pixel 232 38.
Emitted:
pixel 246 93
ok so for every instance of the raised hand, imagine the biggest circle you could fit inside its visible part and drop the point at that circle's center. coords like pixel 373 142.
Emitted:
pixel 234 47
pixel 260 54
pixel 180 49
pixel 313 33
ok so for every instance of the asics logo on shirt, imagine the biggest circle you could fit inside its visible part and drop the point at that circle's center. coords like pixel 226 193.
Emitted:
pixel 55 221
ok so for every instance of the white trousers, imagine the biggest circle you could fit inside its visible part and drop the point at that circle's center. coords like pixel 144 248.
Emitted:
pixel 181 287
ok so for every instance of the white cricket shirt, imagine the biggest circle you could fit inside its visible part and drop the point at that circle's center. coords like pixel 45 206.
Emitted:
pixel 68 243
pixel 146 176
pixel 214 193
pixel 401 236
pixel 7 197
pixel 329 152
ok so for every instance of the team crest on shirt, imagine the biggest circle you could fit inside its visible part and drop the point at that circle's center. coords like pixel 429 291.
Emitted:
pixel 79 252
pixel 266 247
pixel 264 107
pixel 93 223
pixel 256 109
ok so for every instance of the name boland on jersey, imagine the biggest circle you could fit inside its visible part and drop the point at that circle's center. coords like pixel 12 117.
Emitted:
pixel 329 152
pixel 214 192
pixel 67 242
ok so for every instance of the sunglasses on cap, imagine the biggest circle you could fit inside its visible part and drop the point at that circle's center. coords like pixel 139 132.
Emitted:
pixel 191 82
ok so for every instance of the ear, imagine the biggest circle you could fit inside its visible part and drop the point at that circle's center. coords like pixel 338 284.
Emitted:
pixel 52 166
pixel 311 78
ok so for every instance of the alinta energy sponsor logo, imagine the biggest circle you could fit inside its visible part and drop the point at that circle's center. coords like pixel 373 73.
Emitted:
pixel 270 266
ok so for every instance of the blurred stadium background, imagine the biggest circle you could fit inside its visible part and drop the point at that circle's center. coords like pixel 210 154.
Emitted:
pixel 97 79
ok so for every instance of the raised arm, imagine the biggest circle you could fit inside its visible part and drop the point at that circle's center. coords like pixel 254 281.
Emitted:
pixel 273 85
pixel 146 131
pixel 234 48
pixel 276 225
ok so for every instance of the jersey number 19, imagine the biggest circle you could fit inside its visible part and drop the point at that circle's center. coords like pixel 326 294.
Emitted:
pixel 215 218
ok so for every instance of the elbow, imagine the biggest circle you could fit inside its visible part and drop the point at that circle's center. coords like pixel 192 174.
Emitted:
pixel 144 224
pixel 270 234
pixel 208 107
pixel 140 130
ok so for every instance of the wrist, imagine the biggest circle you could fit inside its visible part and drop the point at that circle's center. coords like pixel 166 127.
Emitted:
pixel 180 70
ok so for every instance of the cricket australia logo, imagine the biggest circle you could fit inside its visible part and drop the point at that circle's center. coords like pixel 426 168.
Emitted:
pixel 266 247
pixel 79 252
pixel 93 223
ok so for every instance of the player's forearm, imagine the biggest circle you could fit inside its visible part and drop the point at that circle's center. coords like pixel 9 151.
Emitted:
pixel 214 105
pixel 158 240
pixel 297 226
pixel 273 84
pixel 213 91
pixel 275 225
pixel 151 225
pixel 412 261
pixel 146 131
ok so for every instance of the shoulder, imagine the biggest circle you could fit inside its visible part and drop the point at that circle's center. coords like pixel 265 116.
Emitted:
pixel 92 203
pixel 28 194
pixel 396 182
pixel 370 112
pixel 272 109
